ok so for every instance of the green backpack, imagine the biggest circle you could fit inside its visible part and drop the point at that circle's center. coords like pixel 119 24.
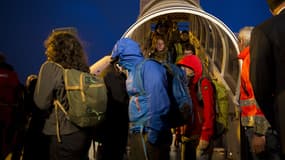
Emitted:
pixel 87 98
pixel 221 106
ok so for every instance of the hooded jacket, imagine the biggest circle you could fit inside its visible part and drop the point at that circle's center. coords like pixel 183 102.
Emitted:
pixel 204 115
pixel 251 114
pixel 144 109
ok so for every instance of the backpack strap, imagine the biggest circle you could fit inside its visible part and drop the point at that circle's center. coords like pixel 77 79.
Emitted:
pixel 139 76
pixel 57 105
pixel 199 92
pixel 60 66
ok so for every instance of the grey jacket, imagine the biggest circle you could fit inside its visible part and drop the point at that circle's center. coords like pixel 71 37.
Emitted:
pixel 50 86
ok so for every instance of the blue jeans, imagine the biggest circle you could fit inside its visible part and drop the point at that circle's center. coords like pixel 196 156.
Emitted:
pixel 272 147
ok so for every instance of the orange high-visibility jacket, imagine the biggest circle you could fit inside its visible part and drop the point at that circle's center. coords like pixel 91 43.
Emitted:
pixel 251 114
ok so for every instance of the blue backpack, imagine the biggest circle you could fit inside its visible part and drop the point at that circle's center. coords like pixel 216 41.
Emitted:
pixel 181 103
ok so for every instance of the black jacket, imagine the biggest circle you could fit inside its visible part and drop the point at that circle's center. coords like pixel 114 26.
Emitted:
pixel 267 71
pixel 115 131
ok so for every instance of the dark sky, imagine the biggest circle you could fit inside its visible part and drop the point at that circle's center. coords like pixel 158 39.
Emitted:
pixel 24 25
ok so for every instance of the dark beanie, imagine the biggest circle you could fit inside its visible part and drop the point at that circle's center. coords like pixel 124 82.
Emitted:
pixel 274 3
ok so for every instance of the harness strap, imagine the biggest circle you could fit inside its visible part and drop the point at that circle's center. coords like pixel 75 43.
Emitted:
pixel 58 104
pixel 143 142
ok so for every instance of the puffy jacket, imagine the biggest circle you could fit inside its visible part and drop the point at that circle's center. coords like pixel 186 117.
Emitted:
pixel 204 114
pixel 251 114
pixel 144 109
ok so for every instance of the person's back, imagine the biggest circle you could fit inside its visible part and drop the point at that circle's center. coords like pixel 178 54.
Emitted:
pixel 266 68
pixel 66 140
pixel 36 143
pixel 9 101
pixel 115 129
pixel 8 82
pixel 145 110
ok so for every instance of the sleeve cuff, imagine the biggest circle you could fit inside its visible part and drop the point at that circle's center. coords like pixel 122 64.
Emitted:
pixel 261 126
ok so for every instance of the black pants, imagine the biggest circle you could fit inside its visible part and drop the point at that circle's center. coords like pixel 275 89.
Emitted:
pixel 272 147
pixel 141 149
pixel 74 146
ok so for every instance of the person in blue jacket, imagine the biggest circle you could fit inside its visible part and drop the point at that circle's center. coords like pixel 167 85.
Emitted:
pixel 150 134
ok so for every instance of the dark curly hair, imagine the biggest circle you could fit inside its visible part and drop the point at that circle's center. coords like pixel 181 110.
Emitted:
pixel 64 47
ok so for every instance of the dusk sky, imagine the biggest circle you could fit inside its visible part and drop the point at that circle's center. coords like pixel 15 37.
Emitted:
pixel 24 25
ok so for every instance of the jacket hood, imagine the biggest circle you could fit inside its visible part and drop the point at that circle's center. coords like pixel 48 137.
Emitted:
pixel 193 62
pixel 128 52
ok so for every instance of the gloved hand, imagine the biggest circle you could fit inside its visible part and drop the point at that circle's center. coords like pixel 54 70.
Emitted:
pixel 258 144
pixel 201 149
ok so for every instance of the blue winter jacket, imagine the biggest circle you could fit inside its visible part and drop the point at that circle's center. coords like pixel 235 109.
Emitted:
pixel 145 109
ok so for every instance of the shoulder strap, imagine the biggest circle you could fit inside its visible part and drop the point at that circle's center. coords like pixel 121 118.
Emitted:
pixel 57 105
pixel 60 66
pixel 199 92
pixel 138 75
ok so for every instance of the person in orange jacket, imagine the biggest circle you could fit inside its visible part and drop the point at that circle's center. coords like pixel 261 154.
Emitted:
pixel 196 136
pixel 257 128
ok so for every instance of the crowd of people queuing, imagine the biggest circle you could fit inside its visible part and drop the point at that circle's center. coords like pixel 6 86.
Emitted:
pixel 28 125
